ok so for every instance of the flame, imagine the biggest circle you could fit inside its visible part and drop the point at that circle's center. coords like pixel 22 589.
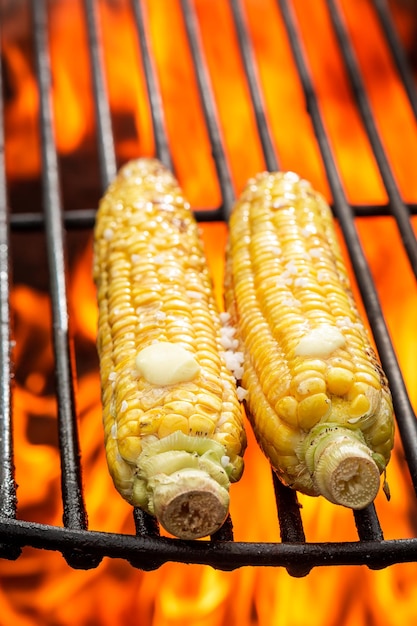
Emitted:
pixel 39 588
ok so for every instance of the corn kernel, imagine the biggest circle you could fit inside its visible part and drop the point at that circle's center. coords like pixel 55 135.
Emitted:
pixel 200 425
pixel 130 448
pixel 209 402
pixel 180 407
pixel 286 409
pixel 310 386
pixel 339 380
pixel 357 389
pixel 359 406
pixel 312 409
pixel 171 423
pixel 311 365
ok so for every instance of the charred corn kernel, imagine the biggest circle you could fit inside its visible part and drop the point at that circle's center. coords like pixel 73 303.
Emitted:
pixel 172 419
pixel 316 396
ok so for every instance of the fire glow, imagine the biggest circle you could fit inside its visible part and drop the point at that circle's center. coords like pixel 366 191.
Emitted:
pixel 40 588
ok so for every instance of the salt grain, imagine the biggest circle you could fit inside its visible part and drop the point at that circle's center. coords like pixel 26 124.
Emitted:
pixel 224 318
pixel 241 393
pixel 225 460
pixel 291 268
pixel 234 361
pixel 308 230
pixel 323 276
pixel 300 281
pixel 315 253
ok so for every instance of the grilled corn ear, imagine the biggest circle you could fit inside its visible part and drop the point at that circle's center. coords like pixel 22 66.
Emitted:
pixel 317 397
pixel 173 423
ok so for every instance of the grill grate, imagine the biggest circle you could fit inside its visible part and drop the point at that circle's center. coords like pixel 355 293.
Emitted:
pixel 83 548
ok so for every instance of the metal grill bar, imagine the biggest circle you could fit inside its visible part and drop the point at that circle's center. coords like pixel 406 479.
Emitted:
pixel 397 52
pixel 158 119
pixel 74 514
pixel 289 517
pixel 84 218
pixel 7 481
pixel 405 415
pixel 106 148
pixel 148 553
pixel 399 210
pixel 249 62
pixel 342 210
pixel 144 523
pixel 210 111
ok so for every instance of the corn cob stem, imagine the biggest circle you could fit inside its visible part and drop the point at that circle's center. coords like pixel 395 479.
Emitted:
pixel 190 504
pixel 184 481
pixel 342 466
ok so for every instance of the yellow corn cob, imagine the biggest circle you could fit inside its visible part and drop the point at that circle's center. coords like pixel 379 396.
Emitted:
pixel 317 398
pixel 173 423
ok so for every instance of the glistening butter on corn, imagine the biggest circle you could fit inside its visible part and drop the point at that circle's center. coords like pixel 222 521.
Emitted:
pixel 317 397
pixel 173 422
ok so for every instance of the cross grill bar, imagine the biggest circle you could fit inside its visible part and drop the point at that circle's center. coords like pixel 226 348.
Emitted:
pixel 147 550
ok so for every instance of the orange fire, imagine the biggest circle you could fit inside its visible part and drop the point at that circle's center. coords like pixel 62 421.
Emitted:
pixel 40 588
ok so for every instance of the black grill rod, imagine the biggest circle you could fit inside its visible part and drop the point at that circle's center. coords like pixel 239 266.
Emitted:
pixel 209 107
pixel 228 555
pixel 85 218
pixel 406 418
pixel 74 514
pixel 399 209
pixel 7 481
pixel 157 111
pixel 289 517
pixel 143 523
pixel 397 51
pixel 105 138
pixel 251 71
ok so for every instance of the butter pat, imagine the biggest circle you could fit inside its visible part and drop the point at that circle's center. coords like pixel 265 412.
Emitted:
pixel 320 342
pixel 166 363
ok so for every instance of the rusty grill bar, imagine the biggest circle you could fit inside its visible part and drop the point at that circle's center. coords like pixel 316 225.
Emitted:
pixel 81 547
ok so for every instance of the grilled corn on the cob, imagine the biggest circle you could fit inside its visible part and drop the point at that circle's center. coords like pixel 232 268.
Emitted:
pixel 173 423
pixel 317 398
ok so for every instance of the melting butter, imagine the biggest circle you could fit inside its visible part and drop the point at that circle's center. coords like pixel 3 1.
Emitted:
pixel 166 363
pixel 320 342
